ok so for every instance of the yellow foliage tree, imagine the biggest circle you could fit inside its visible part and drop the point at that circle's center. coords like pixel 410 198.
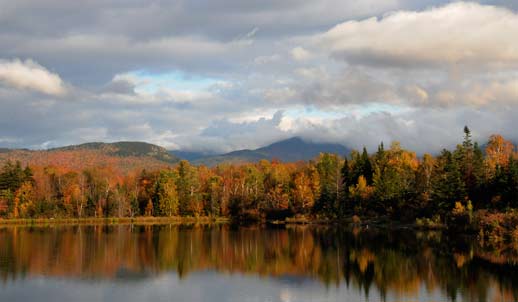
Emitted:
pixel 361 190
pixel 24 201
pixel 498 152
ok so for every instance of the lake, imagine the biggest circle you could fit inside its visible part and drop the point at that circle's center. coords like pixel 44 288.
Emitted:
pixel 227 263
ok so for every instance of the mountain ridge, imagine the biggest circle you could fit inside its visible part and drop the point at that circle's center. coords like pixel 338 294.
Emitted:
pixel 125 149
pixel 122 156
pixel 288 150
pixel 127 155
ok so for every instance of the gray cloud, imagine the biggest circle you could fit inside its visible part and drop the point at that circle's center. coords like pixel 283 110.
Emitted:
pixel 247 73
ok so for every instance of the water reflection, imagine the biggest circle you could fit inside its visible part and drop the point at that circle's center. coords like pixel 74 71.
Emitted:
pixel 224 263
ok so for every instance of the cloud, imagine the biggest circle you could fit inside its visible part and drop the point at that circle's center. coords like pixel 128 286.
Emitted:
pixel 354 72
pixel 481 94
pixel 32 76
pixel 350 86
pixel 418 129
pixel 224 135
pixel 300 54
pixel 458 33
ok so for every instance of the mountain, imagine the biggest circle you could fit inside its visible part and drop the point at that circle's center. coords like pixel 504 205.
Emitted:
pixel 125 149
pixel 190 155
pixel 121 156
pixel 290 150
pixel 295 149
pixel 128 156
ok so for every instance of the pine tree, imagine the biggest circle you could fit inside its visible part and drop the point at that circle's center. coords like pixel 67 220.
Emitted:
pixel 366 166
pixel 467 163
pixel 12 176
pixel 447 185
pixel 347 181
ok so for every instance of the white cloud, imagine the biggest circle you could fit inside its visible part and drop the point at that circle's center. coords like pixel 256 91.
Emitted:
pixel 32 76
pixel 300 54
pixel 458 33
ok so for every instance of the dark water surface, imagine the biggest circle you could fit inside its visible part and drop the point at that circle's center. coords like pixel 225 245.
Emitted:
pixel 224 263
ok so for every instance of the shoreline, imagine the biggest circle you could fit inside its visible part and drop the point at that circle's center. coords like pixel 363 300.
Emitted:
pixel 349 222
pixel 112 221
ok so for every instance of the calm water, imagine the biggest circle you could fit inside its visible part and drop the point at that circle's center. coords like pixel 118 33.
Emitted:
pixel 223 263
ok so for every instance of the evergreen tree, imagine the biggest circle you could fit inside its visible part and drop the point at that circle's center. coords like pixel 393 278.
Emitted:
pixel 12 176
pixel 347 181
pixel 466 163
pixel 366 166
pixel 447 185
pixel 361 166
pixel 477 192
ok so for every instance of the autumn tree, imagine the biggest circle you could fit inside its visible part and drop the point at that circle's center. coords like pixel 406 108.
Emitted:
pixel 167 194
pixel 360 194
pixel 187 186
pixel 394 179
pixel 498 152
pixel 423 185
pixel 24 201
pixel 12 178
pixel 277 187
pixel 303 195
pixel 214 196
pixel 329 169
pixel 98 189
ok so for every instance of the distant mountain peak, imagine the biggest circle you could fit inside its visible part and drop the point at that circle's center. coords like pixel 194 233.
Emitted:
pixel 291 140
pixel 287 150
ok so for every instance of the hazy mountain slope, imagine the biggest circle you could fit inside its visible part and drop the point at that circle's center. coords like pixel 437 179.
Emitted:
pixel 293 149
pixel 190 155
pixel 122 156
pixel 125 149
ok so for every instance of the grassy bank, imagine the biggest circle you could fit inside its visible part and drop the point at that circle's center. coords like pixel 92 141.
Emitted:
pixel 113 221
pixel 380 222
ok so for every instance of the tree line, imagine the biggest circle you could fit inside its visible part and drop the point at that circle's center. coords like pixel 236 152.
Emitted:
pixel 390 182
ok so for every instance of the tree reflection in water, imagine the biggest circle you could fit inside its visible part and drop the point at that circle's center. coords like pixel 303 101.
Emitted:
pixel 399 263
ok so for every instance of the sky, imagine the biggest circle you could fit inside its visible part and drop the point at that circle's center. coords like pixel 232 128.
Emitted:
pixel 221 75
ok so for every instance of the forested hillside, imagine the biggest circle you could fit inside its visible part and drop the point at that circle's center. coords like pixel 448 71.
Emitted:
pixel 121 157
